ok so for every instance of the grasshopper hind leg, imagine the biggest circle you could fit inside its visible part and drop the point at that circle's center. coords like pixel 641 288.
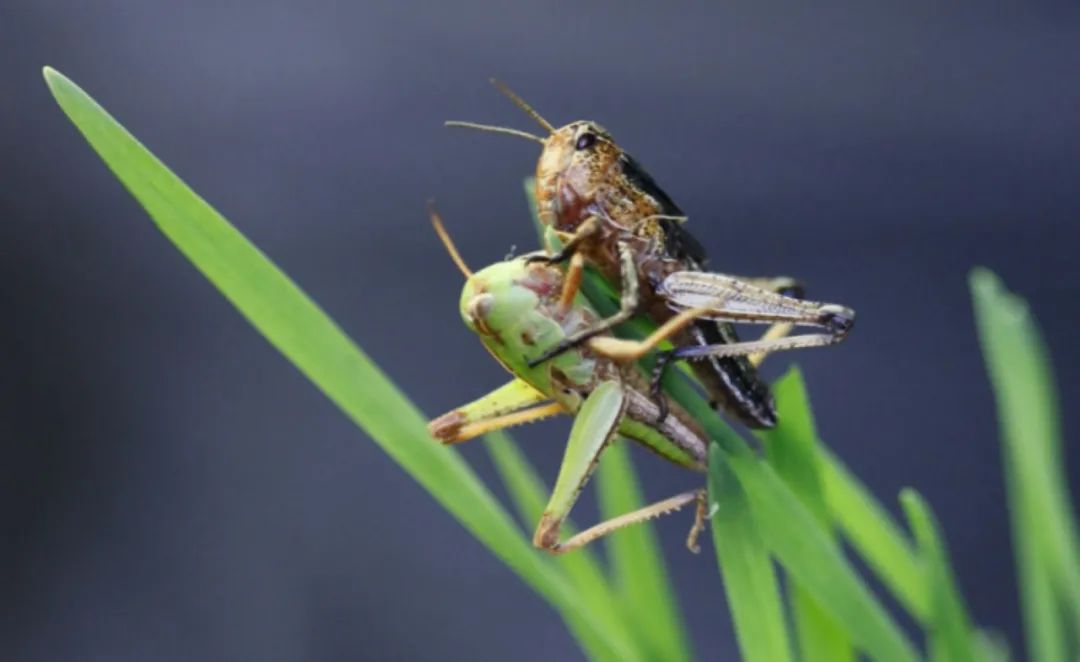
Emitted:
pixel 652 511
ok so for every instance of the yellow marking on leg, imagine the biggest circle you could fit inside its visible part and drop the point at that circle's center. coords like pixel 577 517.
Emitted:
pixel 571 283
pixel 774 332
pixel 630 350
pixel 470 430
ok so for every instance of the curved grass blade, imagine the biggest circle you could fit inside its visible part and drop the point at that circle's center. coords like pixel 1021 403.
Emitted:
pixel 949 630
pixel 1044 527
pixel 753 593
pixel 801 545
pixel 296 326
pixel 792 450
pixel 582 569
pixel 874 534
pixel 816 562
pixel 637 564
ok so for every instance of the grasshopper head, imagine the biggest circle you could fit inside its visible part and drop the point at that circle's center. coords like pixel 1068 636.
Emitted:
pixel 575 164
pixel 514 307
pixel 572 172
pixel 510 296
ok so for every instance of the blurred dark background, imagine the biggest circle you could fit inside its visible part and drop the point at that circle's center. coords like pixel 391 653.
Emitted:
pixel 173 489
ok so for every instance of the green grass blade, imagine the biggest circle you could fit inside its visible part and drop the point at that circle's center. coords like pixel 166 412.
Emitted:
pixel 637 564
pixel 581 568
pixel 310 340
pixel 874 535
pixel 816 562
pixel 949 630
pixel 753 593
pixel 1044 532
pixel 802 545
pixel 792 450
pixel 991 646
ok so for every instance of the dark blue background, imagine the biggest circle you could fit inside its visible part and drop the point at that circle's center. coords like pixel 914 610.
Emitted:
pixel 172 489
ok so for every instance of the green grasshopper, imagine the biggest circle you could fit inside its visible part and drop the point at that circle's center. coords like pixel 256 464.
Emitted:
pixel 518 310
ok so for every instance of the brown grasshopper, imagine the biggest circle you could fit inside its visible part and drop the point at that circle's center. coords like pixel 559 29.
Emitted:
pixel 608 212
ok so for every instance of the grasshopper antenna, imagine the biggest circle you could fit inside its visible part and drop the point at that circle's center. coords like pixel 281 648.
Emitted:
pixel 444 236
pixel 520 103
pixel 495 129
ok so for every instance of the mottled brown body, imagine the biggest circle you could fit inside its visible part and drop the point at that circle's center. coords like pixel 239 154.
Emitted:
pixel 583 174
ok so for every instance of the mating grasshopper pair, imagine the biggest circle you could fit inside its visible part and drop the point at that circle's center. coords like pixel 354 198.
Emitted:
pixel 609 213
pixel 517 309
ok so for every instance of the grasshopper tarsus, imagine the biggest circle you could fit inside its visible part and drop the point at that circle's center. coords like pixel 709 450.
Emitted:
pixel 838 320
pixel 795 290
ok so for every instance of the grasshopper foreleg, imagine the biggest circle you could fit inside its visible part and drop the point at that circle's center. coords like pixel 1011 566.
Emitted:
pixel 585 231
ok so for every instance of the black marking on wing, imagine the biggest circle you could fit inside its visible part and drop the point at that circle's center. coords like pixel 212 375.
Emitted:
pixel 644 181
pixel 678 243
pixel 682 245
pixel 748 396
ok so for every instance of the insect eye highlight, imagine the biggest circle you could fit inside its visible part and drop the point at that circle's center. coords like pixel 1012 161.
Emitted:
pixel 586 140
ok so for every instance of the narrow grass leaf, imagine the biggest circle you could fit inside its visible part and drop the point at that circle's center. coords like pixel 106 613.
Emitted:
pixel 816 562
pixel 1045 539
pixel 753 592
pixel 874 535
pixel 637 564
pixel 800 543
pixel 582 569
pixel 949 632
pixel 990 646
pixel 296 326
pixel 792 450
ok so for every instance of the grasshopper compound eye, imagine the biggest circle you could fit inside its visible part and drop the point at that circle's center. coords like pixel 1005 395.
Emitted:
pixel 586 140
pixel 476 312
